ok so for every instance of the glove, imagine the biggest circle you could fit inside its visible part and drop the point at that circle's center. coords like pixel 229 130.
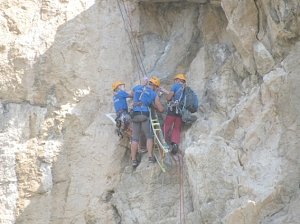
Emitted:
pixel 163 90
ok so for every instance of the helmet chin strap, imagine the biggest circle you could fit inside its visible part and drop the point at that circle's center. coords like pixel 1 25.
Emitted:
pixel 150 84
pixel 179 81
pixel 122 87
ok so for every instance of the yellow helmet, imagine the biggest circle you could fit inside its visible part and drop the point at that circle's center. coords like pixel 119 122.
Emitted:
pixel 180 76
pixel 116 84
pixel 155 80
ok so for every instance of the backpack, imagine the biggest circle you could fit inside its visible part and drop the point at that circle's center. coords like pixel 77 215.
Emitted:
pixel 187 117
pixel 189 100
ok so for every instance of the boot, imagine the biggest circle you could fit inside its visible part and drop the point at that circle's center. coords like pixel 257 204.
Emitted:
pixel 174 148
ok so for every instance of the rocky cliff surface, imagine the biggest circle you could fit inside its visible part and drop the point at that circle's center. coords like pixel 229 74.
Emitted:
pixel 61 161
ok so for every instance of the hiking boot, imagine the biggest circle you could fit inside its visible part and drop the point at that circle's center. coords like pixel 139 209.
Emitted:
pixel 151 159
pixel 135 163
pixel 174 148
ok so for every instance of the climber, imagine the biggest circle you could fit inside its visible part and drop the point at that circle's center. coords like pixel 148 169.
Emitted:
pixel 121 107
pixel 173 117
pixel 144 96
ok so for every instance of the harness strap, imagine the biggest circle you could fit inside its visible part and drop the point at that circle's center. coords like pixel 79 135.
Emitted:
pixel 140 103
pixel 174 104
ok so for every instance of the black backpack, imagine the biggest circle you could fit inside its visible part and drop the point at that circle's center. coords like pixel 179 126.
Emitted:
pixel 189 100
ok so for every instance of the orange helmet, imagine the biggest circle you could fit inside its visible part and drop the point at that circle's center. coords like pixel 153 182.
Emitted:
pixel 116 84
pixel 180 76
pixel 155 80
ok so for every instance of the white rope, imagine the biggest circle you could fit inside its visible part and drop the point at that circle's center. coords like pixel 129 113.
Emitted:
pixel 111 116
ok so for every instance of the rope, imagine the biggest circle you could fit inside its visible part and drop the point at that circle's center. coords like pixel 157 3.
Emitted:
pixel 182 215
pixel 160 201
pixel 136 44
pixel 160 143
pixel 133 44
pixel 179 163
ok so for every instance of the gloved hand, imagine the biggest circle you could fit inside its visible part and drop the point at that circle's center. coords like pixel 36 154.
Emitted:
pixel 145 80
pixel 163 90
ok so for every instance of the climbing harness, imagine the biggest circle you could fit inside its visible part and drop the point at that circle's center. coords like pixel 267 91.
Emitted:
pixel 176 104
pixel 123 123
pixel 122 128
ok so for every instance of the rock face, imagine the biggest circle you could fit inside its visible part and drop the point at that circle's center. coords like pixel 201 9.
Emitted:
pixel 61 161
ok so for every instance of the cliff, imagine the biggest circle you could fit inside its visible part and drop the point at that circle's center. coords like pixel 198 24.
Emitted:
pixel 61 160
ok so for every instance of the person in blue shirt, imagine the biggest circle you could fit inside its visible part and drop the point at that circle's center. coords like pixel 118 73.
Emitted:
pixel 173 118
pixel 144 96
pixel 121 107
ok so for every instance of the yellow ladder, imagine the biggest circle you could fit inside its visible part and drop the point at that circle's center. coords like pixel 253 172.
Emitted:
pixel 160 142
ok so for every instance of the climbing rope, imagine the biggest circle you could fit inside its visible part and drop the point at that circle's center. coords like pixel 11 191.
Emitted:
pixel 164 148
pixel 178 158
pixel 134 39
pixel 159 143
pixel 182 215
pixel 134 46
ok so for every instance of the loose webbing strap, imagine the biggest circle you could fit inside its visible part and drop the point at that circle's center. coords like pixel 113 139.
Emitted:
pixel 182 88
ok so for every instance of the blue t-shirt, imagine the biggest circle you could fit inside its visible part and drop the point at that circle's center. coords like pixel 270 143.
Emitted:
pixel 120 102
pixel 177 88
pixel 143 97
